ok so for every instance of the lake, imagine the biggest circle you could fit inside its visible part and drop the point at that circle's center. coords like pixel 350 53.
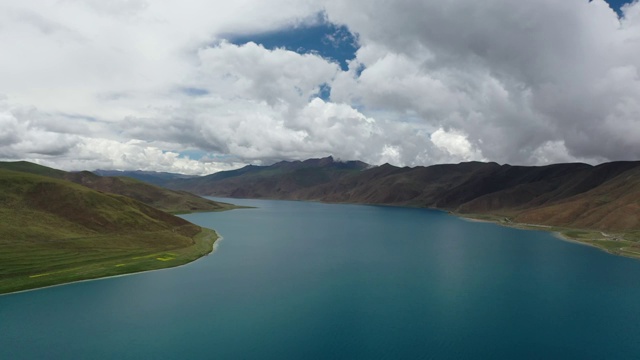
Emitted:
pixel 300 280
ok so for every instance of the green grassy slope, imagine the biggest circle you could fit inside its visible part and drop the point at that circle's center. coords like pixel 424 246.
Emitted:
pixel 54 231
pixel 31 168
pixel 155 196
pixel 160 198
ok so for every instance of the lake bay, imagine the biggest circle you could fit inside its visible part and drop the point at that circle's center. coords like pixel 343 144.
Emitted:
pixel 299 280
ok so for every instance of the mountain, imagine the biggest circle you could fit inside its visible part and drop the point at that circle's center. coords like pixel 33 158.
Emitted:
pixel 151 177
pixel 573 195
pixel 279 180
pixel 31 168
pixel 614 205
pixel 54 231
pixel 158 197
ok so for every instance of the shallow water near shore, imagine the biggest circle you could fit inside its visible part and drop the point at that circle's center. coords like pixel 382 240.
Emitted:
pixel 298 280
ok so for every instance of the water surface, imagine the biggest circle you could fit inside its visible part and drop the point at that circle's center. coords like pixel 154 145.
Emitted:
pixel 296 280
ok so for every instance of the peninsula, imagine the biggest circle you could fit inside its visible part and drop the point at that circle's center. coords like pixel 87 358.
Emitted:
pixel 58 227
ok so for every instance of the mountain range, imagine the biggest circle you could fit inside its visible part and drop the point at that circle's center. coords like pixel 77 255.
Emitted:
pixel 602 198
pixel 598 205
pixel 58 226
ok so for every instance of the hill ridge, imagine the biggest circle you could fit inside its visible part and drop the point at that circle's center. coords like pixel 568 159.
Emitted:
pixel 150 194
pixel 468 188
pixel 55 231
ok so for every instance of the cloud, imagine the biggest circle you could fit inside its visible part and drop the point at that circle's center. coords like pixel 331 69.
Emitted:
pixel 279 77
pixel 21 136
pixel 135 83
pixel 29 134
pixel 515 76
pixel 454 143
pixel 94 153
pixel 263 105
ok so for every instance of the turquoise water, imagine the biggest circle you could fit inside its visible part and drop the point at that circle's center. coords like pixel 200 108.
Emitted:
pixel 296 280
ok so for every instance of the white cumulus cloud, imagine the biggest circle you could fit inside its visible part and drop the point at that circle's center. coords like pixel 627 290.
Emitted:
pixel 139 84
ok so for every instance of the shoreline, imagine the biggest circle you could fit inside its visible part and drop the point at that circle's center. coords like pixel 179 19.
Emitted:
pixel 556 231
pixel 559 233
pixel 214 246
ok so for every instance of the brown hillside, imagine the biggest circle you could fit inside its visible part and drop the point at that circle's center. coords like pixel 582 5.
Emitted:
pixel 612 206
pixel 569 195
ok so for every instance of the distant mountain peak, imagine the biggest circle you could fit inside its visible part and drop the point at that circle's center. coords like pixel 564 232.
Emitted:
pixel 320 161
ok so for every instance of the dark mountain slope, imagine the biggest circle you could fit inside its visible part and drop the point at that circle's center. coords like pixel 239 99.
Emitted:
pixel 388 184
pixel 150 177
pixel 275 181
pixel 612 206
pixel 544 185
pixel 570 195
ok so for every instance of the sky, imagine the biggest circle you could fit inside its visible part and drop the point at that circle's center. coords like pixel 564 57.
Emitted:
pixel 197 86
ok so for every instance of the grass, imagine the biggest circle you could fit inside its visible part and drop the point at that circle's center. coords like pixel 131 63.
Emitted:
pixel 53 231
pixel 27 167
pixel 174 202
pixel 29 267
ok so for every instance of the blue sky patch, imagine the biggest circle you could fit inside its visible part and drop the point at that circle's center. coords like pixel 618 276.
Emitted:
pixel 617 5
pixel 325 92
pixel 324 38
pixel 192 154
